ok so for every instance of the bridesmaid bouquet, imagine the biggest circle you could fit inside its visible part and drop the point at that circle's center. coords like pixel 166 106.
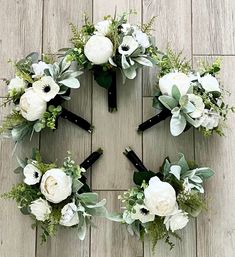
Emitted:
pixel 57 196
pixel 37 92
pixel 110 45
pixel 162 202
pixel 190 98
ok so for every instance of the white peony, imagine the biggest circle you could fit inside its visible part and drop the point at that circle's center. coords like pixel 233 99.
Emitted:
pixel 46 88
pixel 179 79
pixel 177 220
pixel 38 69
pixel 209 83
pixel 40 209
pixel 32 174
pixel 56 186
pixel 142 38
pixel 69 215
pixel 142 214
pixel 209 119
pixel 16 84
pixel 160 197
pixel 198 104
pixel 103 27
pixel 98 49
pixel 32 107
pixel 128 46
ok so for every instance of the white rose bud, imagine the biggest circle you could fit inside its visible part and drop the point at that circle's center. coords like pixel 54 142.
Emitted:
pixel 16 84
pixel 160 197
pixel 56 186
pixel 69 215
pixel 40 209
pixel 102 27
pixel 176 221
pixel 98 49
pixel 209 83
pixel 179 79
pixel 32 107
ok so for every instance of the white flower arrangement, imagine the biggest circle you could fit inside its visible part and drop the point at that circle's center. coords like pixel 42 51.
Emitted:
pixel 162 203
pixel 37 92
pixel 191 98
pixel 57 196
pixel 110 45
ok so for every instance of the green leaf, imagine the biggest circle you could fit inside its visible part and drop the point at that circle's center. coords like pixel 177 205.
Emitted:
pixel 130 73
pixel 139 177
pixel 82 229
pixel 77 184
pixel 103 78
pixel 125 64
pixel 204 172
pixel 143 61
pixel 71 83
pixel 175 170
pixel 193 122
pixel 168 101
pixel 177 125
pixel 25 210
pixel 97 205
pixel 18 170
pixel 89 198
pixel 114 217
pixel 183 163
pixel 175 92
pixel 183 101
pixel 21 162
pixel 38 127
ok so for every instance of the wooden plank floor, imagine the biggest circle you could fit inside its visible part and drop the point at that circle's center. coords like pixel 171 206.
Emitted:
pixel 203 29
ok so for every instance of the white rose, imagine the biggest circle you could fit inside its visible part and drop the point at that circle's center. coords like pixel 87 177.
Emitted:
pixel 38 69
pixel 32 107
pixel 209 83
pixel 17 84
pixel 56 186
pixel 46 88
pixel 69 215
pixel 142 38
pixel 160 197
pixel 98 49
pixel 40 209
pixel 177 220
pixel 103 27
pixel 179 79
pixel 32 174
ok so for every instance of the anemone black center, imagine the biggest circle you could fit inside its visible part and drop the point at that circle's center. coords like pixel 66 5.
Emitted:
pixel 47 88
pixel 144 211
pixel 36 175
pixel 125 47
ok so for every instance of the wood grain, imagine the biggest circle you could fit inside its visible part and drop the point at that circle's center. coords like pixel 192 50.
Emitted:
pixel 19 35
pixel 213 27
pixel 172 26
pixel 216 227
pixel 115 131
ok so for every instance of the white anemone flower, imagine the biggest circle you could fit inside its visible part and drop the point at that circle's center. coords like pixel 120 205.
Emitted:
pixel 39 68
pixel 128 46
pixel 198 104
pixel 209 119
pixel 32 174
pixel 46 88
pixel 142 214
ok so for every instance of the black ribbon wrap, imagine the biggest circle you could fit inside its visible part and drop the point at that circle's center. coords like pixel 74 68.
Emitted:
pixel 165 113
pixel 134 159
pixel 77 120
pixel 112 94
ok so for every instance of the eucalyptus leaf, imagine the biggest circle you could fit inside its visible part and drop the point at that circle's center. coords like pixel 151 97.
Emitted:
pixel 177 125
pixel 71 83
pixel 168 101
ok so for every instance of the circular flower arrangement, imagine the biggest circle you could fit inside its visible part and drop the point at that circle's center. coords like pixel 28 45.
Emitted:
pixel 162 203
pixel 57 196
pixel 110 45
pixel 37 92
pixel 191 98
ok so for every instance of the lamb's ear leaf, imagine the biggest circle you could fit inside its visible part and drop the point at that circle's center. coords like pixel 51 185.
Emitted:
pixel 177 125
pixel 71 83
pixel 82 228
pixel 204 172
pixel 168 101
pixel 175 92
pixel 183 164
pixel 139 177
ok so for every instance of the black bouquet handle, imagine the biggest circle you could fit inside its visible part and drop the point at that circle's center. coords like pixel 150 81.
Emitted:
pixel 165 113
pixel 77 120
pixel 112 94
pixel 135 160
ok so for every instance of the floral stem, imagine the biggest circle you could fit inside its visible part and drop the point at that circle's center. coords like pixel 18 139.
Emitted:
pixel 154 120
pixel 134 159
pixel 112 94
pixel 91 159
pixel 79 121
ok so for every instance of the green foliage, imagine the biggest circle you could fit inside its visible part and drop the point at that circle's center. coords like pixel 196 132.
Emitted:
pixel 211 68
pixel 148 27
pixel 11 121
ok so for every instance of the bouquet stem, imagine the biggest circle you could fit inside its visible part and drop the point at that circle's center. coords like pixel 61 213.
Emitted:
pixel 154 120
pixel 134 159
pixel 77 120
pixel 112 94
pixel 91 159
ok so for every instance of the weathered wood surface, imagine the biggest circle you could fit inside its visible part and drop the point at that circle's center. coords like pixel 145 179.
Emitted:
pixel 203 27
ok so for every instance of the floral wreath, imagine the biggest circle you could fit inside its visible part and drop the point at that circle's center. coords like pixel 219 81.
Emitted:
pixel 57 196
pixel 110 45
pixel 37 92
pixel 191 98
pixel 162 203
